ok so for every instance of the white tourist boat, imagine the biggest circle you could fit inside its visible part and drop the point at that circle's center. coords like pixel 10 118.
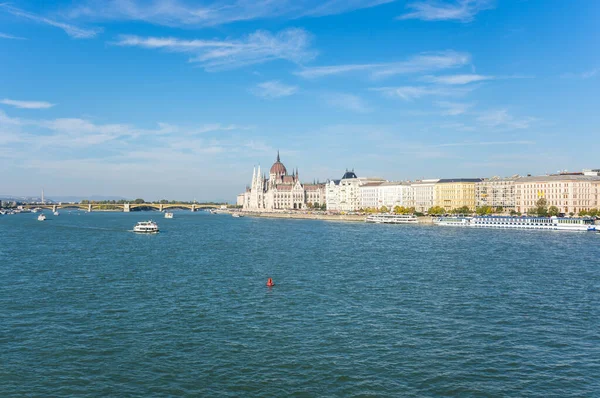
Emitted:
pixel 392 219
pixel 56 213
pixel 146 227
pixel 41 217
pixel 237 215
pixel 168 215
pixel 507 222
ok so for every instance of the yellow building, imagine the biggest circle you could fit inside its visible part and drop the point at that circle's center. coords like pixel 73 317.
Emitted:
pixel 456 192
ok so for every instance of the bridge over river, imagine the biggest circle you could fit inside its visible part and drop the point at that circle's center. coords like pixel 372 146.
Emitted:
pixel 126 207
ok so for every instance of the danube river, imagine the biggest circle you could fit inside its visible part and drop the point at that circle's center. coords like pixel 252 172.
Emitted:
pixel 88 308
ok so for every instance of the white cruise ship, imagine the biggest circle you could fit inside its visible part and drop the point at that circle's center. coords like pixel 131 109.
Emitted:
pixel 146 227
pixel 539 223
pixel 168 215
pixel 453 221
pixel 392 219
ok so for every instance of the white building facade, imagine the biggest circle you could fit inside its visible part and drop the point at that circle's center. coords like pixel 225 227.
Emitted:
pixel 423 195
pixel 345 194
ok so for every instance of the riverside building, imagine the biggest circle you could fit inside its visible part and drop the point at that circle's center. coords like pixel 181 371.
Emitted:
pixel 496 193
pixel 455 193
pixel 423 195
pixel 377 194
pixel 281 191
pixel 344 194
pixel 570 193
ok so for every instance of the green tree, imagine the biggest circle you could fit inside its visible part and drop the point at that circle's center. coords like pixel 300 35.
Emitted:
pixel 593 212
pixel 499 209
pixel 541 208
pixel 583 213
pixel 383 209
pixel 513 213
pixel 398 209
pixel 483 210
pixel 436 211
pixel 139 201
pixel 462 210
pixel 553 211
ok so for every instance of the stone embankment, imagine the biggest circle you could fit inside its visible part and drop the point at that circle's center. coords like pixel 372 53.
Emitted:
pixel 326 217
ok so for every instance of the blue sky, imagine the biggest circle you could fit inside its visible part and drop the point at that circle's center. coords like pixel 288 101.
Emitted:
pixel 180 99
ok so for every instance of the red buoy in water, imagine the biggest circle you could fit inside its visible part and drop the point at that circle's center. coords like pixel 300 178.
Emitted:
pixel 270 282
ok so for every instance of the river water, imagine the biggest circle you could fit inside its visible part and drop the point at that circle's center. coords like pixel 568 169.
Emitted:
pixel 88 308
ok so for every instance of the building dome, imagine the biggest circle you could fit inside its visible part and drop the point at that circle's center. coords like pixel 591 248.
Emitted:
pixel 278 168
pixel 349 174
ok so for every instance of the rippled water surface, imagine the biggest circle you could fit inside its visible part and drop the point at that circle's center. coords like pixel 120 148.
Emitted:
pixel 90 309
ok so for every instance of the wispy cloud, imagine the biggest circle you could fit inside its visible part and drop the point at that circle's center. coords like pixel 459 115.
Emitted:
pixel 27 104
pixel 458 79
pixel 582 75
pixel 409 93
pixel 500 118
pixel 71 30
pixel 484 143
pixel 7 36
pixel 453 108
pixel 273 89
pixel 213 12
pixel 424 62
pixel 457 10
pixel 349 102
pixel 261 46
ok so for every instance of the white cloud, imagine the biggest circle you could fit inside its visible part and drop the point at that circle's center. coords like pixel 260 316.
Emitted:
pixel 409 93
pixel 71 30
pixel 424 62
pixel 273 89
pixel 345 101
pixel 7 36
pixel 437 10
pixel 27 104
pixel 502 119
pixel 458 79
pixel 261 46
pixel 213 12
pixel 582 75
pixel 453 108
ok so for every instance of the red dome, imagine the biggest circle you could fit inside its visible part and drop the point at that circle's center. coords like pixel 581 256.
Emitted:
pixel 278 168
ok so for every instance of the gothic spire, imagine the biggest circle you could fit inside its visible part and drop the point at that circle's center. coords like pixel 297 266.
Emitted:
pixel 278 156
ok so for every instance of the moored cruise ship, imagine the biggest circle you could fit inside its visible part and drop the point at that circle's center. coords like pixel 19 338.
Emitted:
pixel 453 221
pixel 547 223
pixel 392 219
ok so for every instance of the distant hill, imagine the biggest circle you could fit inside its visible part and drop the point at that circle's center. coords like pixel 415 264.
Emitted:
pixel 80 198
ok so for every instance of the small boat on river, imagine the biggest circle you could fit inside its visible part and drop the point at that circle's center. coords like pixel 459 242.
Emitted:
pixel 146 227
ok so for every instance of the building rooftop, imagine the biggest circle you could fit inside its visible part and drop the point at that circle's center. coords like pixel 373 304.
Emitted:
pixel 559 177
pixel 349 174
pixel 449 180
